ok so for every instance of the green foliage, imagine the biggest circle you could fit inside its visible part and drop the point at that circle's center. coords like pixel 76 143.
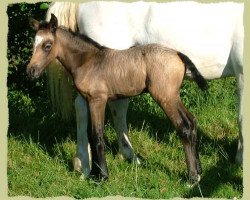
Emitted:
pixel 145 102
pixel 20 39
pixel 44 6
pixel 18 102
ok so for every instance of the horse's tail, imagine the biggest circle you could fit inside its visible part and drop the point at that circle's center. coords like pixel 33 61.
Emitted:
pixel 199 79
pixel 59 81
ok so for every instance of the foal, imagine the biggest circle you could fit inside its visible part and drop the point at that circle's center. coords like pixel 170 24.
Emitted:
pixel 101 74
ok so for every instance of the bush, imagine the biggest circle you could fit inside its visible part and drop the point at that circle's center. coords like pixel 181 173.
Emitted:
pixel 20 37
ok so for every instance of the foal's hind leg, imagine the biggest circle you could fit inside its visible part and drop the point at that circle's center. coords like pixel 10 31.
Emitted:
pixel 188 135
pixel 119 113
pixel 185 126
pixel 186 129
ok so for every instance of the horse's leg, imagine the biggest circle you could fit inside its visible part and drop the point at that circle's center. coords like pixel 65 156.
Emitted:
pixel 81 162
pixel 185 126
pixel 237 63
pixel 187 131
pixel 97 113
pixel 119 113
pixel 191 145
pixel 239 154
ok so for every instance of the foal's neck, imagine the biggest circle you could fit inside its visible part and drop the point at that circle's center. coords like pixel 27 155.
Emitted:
pixel 72 50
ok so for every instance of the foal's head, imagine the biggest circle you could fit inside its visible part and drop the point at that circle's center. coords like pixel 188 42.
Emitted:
pixel 45 48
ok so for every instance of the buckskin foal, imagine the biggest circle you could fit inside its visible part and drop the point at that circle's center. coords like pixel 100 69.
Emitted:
pixel 102 74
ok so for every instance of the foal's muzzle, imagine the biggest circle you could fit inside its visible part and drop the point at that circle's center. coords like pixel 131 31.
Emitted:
pixel 32 72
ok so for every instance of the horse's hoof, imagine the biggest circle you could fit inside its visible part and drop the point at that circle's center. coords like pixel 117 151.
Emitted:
pixel 99 177
pixel 137 161
pixel 83 177
pixel 104 177
pixel 77 164
pixel 194 180
pixel 198 178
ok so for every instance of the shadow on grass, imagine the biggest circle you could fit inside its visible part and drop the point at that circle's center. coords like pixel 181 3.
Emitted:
pixel 40 124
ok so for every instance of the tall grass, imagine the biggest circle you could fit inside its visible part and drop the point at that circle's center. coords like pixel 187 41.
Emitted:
pixel 41 146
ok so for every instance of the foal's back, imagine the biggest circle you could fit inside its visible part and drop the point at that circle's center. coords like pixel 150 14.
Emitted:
pixel 129 72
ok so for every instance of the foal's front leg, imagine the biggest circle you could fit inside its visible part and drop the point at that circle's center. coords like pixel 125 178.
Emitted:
pixel 96 140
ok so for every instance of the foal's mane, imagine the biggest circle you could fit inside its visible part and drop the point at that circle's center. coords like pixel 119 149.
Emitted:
pixel 77 35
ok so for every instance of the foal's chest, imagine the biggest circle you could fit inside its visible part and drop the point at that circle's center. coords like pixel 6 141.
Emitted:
pixel 89 83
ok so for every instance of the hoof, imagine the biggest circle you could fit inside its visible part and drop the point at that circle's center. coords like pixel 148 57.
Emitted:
pixel 83 177
pixel 85 171
pixel 198 178
pixel 194 180
pixel 77 164
pixel 104 178
pixel 133 159
pixel 136 160
pixel 99 177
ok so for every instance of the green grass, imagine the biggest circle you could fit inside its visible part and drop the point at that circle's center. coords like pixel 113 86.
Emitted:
pixel 41 146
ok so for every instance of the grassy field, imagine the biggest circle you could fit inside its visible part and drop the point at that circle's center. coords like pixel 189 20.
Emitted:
pixel 41 146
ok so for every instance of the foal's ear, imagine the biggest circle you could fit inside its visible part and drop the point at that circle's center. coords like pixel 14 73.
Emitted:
pixel 34 24
pixel 53 23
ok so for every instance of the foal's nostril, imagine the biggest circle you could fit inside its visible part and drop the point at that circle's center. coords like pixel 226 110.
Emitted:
pixel 31 71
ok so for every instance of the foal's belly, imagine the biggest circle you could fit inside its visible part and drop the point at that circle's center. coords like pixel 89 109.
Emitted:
pixel 126 89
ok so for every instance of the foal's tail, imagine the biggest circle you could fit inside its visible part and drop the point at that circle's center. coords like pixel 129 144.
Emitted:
pixel 199 79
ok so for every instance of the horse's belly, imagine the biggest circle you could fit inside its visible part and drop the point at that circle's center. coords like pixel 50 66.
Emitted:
pixel 210 72
pixel 207 39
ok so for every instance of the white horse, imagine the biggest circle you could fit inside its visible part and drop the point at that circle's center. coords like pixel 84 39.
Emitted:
pixel 210 34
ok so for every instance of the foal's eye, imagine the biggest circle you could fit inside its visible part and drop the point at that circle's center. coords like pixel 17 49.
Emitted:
pixel 47 47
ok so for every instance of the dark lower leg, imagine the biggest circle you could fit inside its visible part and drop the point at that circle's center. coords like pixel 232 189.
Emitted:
pixel 194 145
pixel 99 165
pixel 188 134
pixel 96 140
pixel 185 126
